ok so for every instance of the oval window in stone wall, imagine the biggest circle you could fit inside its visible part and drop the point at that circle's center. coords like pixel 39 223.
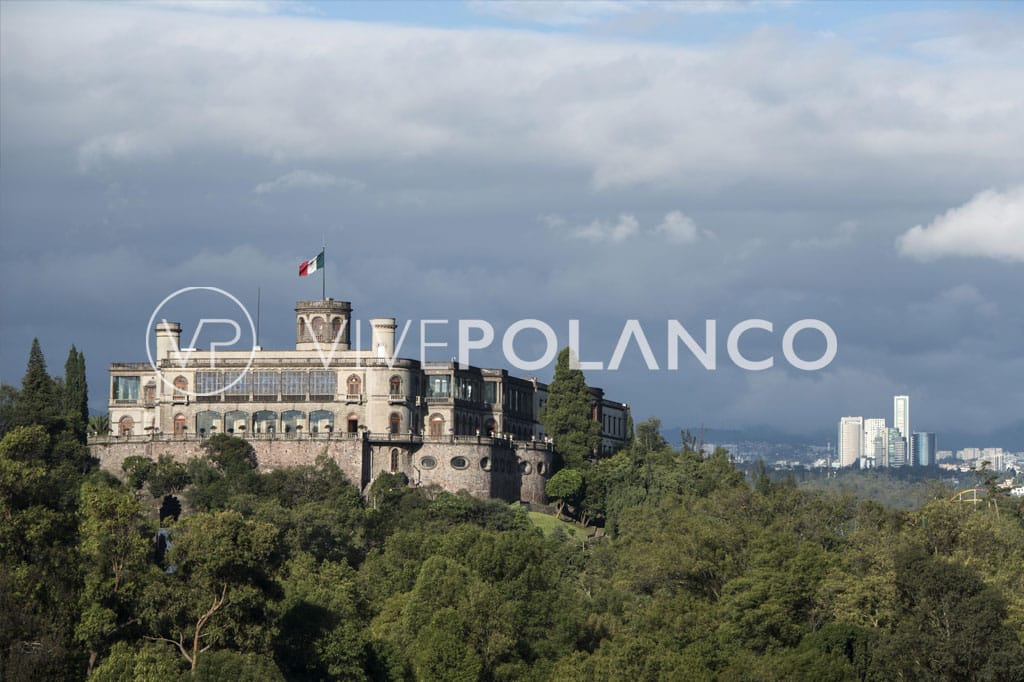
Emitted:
pixel 428 462
pixel 525 467
pixel 542 468
pixel 459 462
pixel 485 464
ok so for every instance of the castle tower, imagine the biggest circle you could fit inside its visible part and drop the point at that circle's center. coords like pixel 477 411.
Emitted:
pixel 383 336
pixel 322 322
pixel 168 336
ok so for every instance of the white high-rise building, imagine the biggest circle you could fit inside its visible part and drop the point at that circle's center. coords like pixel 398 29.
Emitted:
pixel 876 444
pixel 850 444
pixel 901 415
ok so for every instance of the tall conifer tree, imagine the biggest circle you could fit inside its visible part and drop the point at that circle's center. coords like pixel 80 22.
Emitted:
pixel 76 392
pixel 37 402
pixel 567 415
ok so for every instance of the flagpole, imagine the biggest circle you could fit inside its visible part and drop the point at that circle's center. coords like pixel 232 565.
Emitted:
pixel 323 280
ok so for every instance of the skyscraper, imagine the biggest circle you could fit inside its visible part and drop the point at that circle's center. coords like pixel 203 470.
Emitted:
pixel 922 447
pixel 897 448
pixel 850 444
pixel 875 449
pixel 901 415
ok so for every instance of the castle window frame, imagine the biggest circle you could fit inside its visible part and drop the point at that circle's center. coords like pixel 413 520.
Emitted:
pixel 180 425
pixel 436 425
pixel 395 385
pixel 459 462
pixel 354 385
pixel 126 426
pixel 323 382
pixel 427 462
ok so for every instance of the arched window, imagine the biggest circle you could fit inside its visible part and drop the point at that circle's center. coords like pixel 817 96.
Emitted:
pixel 321 421
pixel 394 460
pixel 206 422
pixel 180 386
pixel 352 423
pixel 127 425
pixel 436 426
pixel 490 426
pixel 395 424
pixel 179 425
pixel 395 384
pixel 293 421
pixel 355 386
pixel 264 421
pixel 335 329
pixel 318 328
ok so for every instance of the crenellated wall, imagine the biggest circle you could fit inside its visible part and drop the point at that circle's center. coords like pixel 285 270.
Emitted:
pixel 484 468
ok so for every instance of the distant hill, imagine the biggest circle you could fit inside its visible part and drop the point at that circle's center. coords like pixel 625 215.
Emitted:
pixel 761 433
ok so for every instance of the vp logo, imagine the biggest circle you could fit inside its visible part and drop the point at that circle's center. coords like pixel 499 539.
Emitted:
pixel 227 332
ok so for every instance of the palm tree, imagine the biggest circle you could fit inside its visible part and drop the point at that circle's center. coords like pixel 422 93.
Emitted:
pixel 99 424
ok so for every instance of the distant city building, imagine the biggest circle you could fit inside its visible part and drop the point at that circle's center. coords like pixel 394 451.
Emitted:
pixel 994 457
pixel 850 444
pixel 897 448
pixel 875 444
pixel 901 415
pixel 941 455
pixel 922 447
pixel 968 454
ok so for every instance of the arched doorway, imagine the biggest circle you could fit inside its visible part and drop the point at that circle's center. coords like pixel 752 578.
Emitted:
pixel 180 425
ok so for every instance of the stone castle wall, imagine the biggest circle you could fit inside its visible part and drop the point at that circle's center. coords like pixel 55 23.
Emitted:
pixel 484 468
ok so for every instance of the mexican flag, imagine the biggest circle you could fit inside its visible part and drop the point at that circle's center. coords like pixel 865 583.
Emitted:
pixel 312 265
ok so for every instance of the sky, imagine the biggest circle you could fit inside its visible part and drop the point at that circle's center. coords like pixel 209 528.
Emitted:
pixel 861 164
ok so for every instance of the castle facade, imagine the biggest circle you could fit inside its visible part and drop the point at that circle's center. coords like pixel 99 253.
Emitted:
pixel 460 428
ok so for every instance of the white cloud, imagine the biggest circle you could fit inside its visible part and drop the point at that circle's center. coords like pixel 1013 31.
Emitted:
pixel 298 179
pixel 623 114
pixel 603 231
pixel 990 225
pixel 678 228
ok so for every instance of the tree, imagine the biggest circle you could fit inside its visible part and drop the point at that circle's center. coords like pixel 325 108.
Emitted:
pixel 76 393
pixel 37 402
pixel 115 560
pixel 567 416
pixel 8 400
pixel 217 593
pixel 99 424
pixel 565 486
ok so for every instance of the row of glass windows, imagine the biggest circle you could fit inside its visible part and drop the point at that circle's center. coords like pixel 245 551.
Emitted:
pixel 466 388
pixel 272 382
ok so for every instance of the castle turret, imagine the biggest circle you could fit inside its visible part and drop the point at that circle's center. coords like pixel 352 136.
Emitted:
pixel 383 336
pixel 168 335
pixel 322 322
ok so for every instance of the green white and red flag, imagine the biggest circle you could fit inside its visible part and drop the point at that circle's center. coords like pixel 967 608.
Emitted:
pixel 312 265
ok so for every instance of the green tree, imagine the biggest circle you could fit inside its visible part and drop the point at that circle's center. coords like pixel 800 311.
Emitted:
pixel 38 401
pixel 99 424
pixel 567 417
pixel 218 591
pixel 8 400
pixel 76 393
pixel 565 486
pixel 114 544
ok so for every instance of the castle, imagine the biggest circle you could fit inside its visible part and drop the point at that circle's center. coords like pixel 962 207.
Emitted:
pixel 460 428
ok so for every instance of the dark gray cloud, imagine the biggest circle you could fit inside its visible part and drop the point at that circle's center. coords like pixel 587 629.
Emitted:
pixel 506 174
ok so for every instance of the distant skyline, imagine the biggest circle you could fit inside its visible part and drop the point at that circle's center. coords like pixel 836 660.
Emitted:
pixel 858 163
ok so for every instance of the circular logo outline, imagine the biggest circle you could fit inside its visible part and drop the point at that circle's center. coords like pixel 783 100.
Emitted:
pixel 252 328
